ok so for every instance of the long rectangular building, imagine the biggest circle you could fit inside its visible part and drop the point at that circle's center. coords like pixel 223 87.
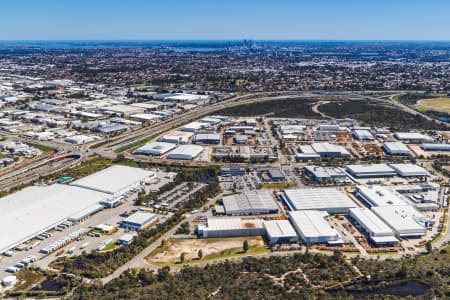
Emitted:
pixel 115 180
pixel 370 171
pixel 230 227
pixel 377 231
pixel 330 200
pixel 313 228
pixel 250 203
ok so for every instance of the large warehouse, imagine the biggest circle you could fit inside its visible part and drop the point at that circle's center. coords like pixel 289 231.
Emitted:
pixel 363 135
pixel 313 228
pixel 396 148
pixel 230 227
pixel 405 220
pixel 377 195
pixel 321 174
pixel 330 200
pixel 155 149
pixel 370 171
pixel 35 209
pixel 409 170
pixel 377 231
pixel 250 203
pixel 330 150
pixel 185 152
pixel 115 180
pixel 207 138
pixel 435 147
pixel 412 137
pixel 280 231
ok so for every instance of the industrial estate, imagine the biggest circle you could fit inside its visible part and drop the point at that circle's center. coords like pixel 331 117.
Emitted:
pixel 105 180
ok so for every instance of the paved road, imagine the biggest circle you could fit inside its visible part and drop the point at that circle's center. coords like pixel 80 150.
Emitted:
pixel 138 261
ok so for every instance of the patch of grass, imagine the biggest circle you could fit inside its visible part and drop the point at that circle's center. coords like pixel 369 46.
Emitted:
pixel 278 185
pixel 435 104
pixel 26 278
pixel 86 168
pixel 43 148
pixel 111 246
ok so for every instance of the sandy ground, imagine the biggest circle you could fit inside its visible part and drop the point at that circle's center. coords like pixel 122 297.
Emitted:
pixel 190 247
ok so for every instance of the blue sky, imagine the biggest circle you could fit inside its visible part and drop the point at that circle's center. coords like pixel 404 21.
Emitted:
pixel 225 19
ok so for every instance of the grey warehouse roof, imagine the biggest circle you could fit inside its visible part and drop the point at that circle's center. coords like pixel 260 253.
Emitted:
pixel 260 201
pixel 317 199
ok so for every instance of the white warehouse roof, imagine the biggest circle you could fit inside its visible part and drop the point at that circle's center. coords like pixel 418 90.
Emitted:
pixel 371 223
pixel 409 170
pixel 185 152
pixel 372 170
pixel 312 227
pixel 396 148
pixel 115 179
pixel 193 126
pixel 140 218
pixel 363 134
pixel 155 148
pixel 327 199
pixel 251 202
pixel 412 136
pixel 279 229
pixel 404 219
pixel 376 195
pixel 35 209
pixel 326 148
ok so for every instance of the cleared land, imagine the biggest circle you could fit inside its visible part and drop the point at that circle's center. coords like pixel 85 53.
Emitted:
pixel 435 104
pixel 213 249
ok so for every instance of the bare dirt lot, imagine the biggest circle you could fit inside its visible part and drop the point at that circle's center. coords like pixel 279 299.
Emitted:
pixel 213 248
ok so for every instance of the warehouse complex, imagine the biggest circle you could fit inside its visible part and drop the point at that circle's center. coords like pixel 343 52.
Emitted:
pixel 320 174
pixel 330 200
pixel 377 231
pixel 313 228
pixel 325 149
pixel 250 203
pixel 405 220
pixel 35 209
